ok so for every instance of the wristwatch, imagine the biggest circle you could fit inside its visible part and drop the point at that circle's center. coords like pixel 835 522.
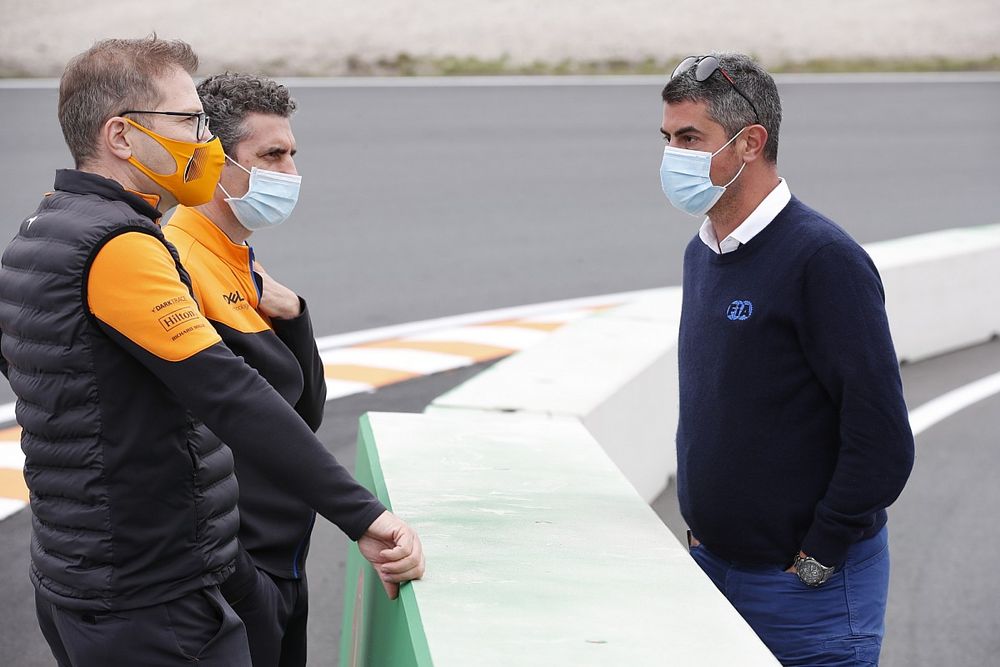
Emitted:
pixel 811 572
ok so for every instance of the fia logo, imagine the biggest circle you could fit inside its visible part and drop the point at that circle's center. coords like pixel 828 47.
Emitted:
pixel 739 310
pixel 233 297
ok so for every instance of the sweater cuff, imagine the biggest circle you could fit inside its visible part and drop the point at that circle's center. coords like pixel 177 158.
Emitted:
pixel 294 325
pixel 356 531
pixel 827 546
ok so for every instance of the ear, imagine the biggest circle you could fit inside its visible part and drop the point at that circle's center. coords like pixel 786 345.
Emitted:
pixel 115 137
pixel 756 139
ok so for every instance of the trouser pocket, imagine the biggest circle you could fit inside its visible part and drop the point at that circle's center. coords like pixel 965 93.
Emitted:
pixel 202 621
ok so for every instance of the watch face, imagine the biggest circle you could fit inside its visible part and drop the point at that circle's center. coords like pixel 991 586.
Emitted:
pixel 809 572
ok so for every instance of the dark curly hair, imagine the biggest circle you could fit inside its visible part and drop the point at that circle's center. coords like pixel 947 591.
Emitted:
pixel 228 99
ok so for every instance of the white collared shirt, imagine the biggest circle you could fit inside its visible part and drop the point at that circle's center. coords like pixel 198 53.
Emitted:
pixel 761 217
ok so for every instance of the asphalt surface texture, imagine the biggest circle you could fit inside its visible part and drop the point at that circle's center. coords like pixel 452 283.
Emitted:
pixel 424 202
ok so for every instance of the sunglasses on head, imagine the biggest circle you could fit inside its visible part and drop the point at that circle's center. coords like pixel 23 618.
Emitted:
pixel 706 66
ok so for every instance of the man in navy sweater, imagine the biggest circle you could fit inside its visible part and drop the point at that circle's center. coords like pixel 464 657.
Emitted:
pixel 793 435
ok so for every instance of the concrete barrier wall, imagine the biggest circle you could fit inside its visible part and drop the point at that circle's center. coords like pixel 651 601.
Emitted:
pixel 616 372
pixel 942 289
pixel 375 630
pixel 539 552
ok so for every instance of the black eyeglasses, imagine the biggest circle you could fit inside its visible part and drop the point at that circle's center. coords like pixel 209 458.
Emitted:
pixel 706 66
pixel 202 117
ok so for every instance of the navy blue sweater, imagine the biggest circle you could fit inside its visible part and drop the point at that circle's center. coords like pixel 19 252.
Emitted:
pixel 793 433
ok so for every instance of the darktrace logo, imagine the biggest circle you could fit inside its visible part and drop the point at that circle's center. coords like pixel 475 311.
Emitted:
pixel 233 297
pixel 739 310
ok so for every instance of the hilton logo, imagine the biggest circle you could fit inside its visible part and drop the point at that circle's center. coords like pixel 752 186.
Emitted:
pixel 739 310
pixel 233 297
pixel 177 318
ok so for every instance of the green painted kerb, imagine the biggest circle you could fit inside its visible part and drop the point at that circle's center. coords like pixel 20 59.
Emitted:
pixel 377 631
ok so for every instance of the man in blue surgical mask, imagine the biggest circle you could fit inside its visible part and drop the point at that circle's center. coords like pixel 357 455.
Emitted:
pixel 793 436
pixel 269 326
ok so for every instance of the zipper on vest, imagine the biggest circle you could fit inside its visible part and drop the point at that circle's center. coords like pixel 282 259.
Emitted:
pixel 298 549
pixel 254 278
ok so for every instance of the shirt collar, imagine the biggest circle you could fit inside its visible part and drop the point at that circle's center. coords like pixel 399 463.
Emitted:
pixel 152 200
pixel 200 227
pixel 766 211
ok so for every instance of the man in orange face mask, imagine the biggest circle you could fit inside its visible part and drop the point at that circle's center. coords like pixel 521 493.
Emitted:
pixel 134 506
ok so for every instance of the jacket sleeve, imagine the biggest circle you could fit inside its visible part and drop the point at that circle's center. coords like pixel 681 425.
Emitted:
pixel 139 301
pixel 297 335
pixel 847 343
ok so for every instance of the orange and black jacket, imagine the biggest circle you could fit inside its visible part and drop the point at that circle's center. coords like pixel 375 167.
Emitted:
pixel 113 366
pixel 274 524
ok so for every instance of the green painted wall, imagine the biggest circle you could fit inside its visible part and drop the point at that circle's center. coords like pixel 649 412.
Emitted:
pixel 377 631
pixel 539 554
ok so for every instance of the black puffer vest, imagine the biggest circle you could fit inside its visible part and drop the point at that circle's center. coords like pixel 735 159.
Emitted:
pixel 129 511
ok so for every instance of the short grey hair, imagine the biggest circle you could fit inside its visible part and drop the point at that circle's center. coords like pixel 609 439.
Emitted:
pixel 228 98
pixel 727 107
pixel 112 76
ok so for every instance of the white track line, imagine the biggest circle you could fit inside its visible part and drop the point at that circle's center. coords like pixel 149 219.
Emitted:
pixel 558 318
pixel 412 361
pixel 625 80
pixel 514 338
pixel 12 458
pixel 341 388
pixel 522 337
pixel 10 506
pixel 482 317
pixel 11 455
pixel 944 406
pixel 879 78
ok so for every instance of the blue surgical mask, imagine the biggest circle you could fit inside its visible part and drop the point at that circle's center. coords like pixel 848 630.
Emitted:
pixel 686 180
pixel 269 200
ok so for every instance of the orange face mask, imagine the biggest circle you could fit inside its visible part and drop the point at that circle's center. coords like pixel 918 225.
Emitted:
pixel 198 167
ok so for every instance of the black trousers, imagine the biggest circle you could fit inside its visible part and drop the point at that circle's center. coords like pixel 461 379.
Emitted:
pixel 275 612
pixel 199 627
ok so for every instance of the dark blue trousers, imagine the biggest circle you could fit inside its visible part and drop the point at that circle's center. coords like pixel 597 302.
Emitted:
pixel 840 623
pixel 275 613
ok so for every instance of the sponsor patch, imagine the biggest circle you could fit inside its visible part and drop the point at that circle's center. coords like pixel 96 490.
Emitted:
pixel 178 317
